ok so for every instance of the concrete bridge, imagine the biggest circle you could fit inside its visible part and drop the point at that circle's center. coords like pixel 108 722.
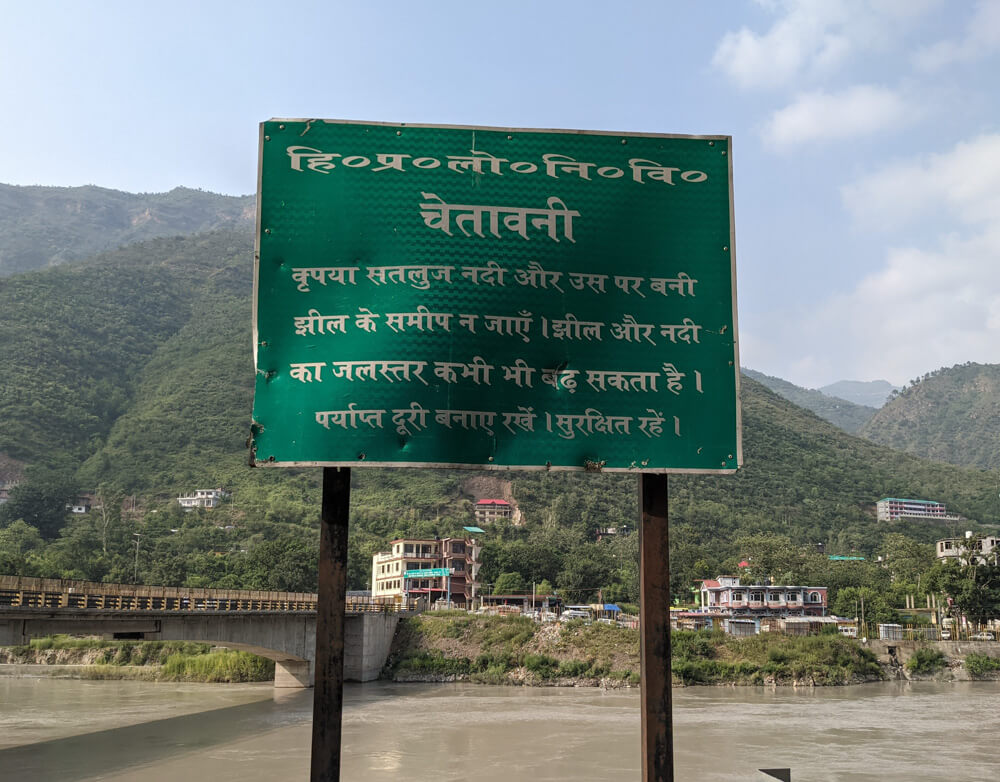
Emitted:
pixel 280 626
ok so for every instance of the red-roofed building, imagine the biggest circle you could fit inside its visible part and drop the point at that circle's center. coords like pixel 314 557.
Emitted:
pixel 491 510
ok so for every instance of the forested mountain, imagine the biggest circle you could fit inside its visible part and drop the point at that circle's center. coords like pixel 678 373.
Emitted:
pixel 872 393
pixel 951 415
pixel 76 338
pixel 847 415
pixel 46 226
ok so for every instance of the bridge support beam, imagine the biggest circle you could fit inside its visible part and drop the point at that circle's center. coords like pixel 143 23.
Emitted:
pixel 290 674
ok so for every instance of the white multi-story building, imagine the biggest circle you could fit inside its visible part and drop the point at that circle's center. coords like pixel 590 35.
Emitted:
pixel 985 549
pixel 203 498
pixel 893 508
pixel 458 557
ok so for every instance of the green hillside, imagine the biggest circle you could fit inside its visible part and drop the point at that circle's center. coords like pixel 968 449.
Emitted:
pixel 47 226
pixel 76 338
pixel 951 415
pixel 847 415
pixel 133 371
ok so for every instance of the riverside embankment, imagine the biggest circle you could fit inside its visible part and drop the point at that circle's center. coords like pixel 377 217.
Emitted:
pixel 456 646
pixel 514 650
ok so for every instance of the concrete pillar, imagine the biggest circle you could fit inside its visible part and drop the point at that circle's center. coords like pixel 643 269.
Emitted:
pixel 293 674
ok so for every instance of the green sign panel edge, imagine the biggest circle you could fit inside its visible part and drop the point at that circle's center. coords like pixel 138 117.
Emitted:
pixel 735 460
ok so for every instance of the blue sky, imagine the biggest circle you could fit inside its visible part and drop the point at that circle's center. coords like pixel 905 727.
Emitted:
pixel 866 135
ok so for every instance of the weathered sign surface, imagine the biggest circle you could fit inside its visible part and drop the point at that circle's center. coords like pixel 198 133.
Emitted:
pixel 485 297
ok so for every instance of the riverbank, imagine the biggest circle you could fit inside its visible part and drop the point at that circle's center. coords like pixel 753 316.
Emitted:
pixel 94 658
pixel 452 646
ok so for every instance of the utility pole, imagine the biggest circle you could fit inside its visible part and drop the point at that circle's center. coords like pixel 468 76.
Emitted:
pixel 138 537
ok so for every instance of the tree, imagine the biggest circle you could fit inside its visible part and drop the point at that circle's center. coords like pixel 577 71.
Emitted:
pixel 770 556
pixel 19 546
pixel 907 559
pixel 973 588
pixel 41 501
pixel 509 584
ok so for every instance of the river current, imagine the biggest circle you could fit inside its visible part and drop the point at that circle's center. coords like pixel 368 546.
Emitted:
pixel 63 730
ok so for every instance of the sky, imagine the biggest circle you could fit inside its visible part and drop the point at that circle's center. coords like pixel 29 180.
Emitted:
pixel 866 133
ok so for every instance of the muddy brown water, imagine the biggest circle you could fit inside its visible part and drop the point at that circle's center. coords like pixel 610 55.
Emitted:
pixel 68 731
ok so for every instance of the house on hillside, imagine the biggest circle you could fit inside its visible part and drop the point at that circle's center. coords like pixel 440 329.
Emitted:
pixel 491 510
pixel 893 509
pixel 82 504
pixel 203 498
pixel 985 549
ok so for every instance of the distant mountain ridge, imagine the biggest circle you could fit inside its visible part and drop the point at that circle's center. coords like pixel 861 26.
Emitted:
pixel 872 393
pixel 48 226
pixel 840 412
pixel 951 415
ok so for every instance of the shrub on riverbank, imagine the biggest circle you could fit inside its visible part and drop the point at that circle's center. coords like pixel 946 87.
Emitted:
pixel 925 661
pixel 981 665
pixel 96 658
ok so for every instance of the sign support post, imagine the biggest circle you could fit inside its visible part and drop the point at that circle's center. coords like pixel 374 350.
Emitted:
pixel 654 630
pixel 328 696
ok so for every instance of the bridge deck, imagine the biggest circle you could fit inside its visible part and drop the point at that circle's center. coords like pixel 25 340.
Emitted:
pixel 19 592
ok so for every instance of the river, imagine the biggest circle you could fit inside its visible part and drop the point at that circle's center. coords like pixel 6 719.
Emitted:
pixel 63 730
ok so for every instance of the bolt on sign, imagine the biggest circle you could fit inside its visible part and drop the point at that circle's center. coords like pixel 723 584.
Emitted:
pixel 441 296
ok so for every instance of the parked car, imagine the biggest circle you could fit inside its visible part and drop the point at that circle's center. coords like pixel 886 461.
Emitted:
pixel 573 614
pixel 946 635
pixel 984 637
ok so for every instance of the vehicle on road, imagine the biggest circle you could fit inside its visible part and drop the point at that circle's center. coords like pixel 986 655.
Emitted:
pixel 983 637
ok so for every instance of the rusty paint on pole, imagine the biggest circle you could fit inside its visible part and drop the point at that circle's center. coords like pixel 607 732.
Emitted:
pixel 654 630
pixel 328 697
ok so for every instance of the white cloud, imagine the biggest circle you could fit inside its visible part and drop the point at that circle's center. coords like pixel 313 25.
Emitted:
pixel 812 38
pixel 930 305
pixel 961 185
pixel 982 37
pixel 925 309
pixel 823 116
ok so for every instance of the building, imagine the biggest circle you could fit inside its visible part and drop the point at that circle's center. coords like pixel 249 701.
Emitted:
pixel 491 510
pixel 203 498
pixel 453 561
pixel 985 549
pixel 5 489
pixel 892 509
pixel 727 594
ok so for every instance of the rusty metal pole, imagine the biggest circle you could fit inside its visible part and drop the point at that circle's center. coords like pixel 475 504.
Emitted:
pixel 654 630
pixel 328 696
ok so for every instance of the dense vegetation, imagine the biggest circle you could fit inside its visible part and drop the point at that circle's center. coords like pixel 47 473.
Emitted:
pixel 129 375
pixel 152 660
pixel 504 650
pixel 951 415
pixel 841 413
pixel 46 226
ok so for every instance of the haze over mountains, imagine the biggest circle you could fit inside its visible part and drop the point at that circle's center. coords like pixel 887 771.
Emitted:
pixel 47 226
pixel 133 369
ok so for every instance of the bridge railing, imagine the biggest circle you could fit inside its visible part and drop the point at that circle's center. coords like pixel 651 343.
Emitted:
pixel 24 592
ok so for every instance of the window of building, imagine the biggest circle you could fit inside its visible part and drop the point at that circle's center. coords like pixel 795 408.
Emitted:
pixel 757 596
pixel 814 597
pixel 793 597
pixel 774 597
pixel 737 596
pixel 457 548
pixel 458 564
pixel 408 548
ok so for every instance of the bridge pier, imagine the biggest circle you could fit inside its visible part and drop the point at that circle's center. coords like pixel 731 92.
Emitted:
pixel 290 674
pixel 287 638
